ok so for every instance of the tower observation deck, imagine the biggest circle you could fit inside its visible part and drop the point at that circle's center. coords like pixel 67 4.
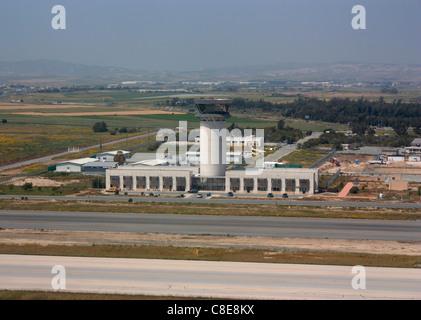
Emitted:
pixel 213 114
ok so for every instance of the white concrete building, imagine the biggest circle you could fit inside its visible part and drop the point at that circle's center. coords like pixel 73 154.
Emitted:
pixel 275 180
pixel 183 178
pixel 414 158
pixel 193 157
pixel 73 165
pixel 149 178
pixel 109 155
pixel 395 158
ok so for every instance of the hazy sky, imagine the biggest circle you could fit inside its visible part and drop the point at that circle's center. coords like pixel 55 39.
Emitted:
pixel 193 34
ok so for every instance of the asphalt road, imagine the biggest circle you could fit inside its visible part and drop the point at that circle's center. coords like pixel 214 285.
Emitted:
pixel 206 278
pixel 216 225
pixel 235 200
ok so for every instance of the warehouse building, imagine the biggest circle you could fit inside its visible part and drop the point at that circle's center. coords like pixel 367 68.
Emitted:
pixel 73 165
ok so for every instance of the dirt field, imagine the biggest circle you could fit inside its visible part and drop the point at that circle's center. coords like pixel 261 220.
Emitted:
pixel 38 182
pixel 14 106
pixel 349 165
pixel 23 106
pixel 46 237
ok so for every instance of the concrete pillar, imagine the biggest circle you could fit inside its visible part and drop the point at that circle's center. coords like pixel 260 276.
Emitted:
pixel 161 183
pixel 255 185
pixel 148 182
pixel 241 185
pixel 188 182
pixel 311 191
pixel 227 184
pixel 269 184
pixel 297 186
pixel 283 183
pixel 107 181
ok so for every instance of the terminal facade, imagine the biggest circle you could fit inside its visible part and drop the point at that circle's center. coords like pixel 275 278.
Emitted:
pixel 177 178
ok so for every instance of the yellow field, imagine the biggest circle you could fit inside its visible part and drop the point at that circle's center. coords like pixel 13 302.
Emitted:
pixel 106 113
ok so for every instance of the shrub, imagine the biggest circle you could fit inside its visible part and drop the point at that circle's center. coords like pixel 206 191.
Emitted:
pixel 27 186
pixel 100 127
pixel 354 190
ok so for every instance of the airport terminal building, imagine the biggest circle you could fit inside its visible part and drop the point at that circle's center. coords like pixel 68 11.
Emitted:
pixel 211 174
pixel 178 178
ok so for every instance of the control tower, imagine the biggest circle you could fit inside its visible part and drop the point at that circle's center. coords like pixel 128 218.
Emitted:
pixel 213 114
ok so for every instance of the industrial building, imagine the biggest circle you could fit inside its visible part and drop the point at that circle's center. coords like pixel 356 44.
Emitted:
pixel 210 173
pixel 109 155
pixel 75 165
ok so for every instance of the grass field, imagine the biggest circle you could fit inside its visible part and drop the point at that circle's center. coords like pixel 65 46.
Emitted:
pixel 304 157
pixel 218 254
pixel 19 142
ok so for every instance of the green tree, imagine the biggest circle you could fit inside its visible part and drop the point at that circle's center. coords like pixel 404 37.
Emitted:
pixel 400 127
pixel 120 158
pixel 100 127
pixel 27 186
pixel 281 124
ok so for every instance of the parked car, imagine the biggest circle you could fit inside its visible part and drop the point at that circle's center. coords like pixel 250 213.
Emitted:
pixel 285 195
pixel 199 195
pixel 230 194
pixel 193 191
pixel 270 195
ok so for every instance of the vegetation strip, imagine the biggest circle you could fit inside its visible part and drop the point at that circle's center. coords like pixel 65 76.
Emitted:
pixel 44 295
pixel 212 209
pixel 218 254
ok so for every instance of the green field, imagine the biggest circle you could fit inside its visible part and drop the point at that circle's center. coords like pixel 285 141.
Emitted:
pixel 304 157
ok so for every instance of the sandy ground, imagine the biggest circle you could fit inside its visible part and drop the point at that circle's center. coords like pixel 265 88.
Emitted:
pixel 38 182
pixel 56 237
pixel 348 165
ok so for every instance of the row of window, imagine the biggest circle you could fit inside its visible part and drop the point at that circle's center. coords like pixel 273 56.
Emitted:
pixel 276 184
pixel 209 184
pixel 167 183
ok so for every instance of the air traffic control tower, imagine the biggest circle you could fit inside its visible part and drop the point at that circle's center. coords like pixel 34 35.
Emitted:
pixel 213 114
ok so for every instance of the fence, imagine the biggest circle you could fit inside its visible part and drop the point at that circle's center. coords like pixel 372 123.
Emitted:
pixel 329 182
pixel 322 160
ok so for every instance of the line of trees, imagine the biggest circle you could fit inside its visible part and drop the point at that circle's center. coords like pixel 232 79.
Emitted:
pixel 360 114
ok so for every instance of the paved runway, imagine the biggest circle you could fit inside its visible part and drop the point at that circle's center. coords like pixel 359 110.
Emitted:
pixel 207 279
pixel 215 225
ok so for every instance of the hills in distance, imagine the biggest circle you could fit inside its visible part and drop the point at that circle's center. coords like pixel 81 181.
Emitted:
pixel 343 71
